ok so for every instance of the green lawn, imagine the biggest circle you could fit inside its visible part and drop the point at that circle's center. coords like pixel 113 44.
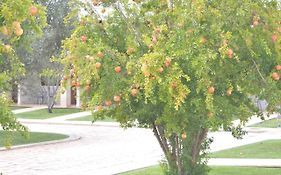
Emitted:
pixel 156 170
pixel 34 137
pixel 272 123
pixel 270 149
pixel 43 113
pixel 90 118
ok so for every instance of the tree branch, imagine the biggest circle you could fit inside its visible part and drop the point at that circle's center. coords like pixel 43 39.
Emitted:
pixel 131 27
pixel 178 156
pixel 170 4
pixel 259 71
pixel 157 135
pixel 201 135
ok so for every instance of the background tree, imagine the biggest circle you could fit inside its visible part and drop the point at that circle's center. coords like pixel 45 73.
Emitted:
pixel 182 68
pixel 17 17
pixel 52 79
pixel 43 48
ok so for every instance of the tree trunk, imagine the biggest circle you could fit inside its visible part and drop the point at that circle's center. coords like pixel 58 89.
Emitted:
pixel 49 100
pixel 173 149
pixel 197 142
pixel 179 157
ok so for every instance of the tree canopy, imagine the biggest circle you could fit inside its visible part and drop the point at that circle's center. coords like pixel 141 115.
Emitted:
pixel 182 68
pixel 17 18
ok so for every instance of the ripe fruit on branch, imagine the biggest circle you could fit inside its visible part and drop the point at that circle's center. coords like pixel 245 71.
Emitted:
pixel 211 90
pixel 134 92
pixel 73 83
pixel 117 69
pixel 77 84
pixel 229 53
pixel 88 87
pixel 160 69
pixel 19 32
pixel 8 48
pixel 95 2
pixel 83 38
pixel 150 46
pixel 183 135
pixel 157 30
pixel 274 38
pixel 33 11
pixel 146 73
pixel 168 61
pixel 278 67
pixel 108 103
pixel 275 76
pixel 130 50
pixel 117 98
pixel 229 92
pixel 88 82
pixel 100 55
pixel 203 40
pixel 174 85
pixel 210 114
pixel 65 77
pixel 154 39
pixel 99 108
pixel 255 23
pixel 16 25
pixel 98 65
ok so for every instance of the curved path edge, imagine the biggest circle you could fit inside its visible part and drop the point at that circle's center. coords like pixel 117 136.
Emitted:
pixel 52 142
pixel 268 163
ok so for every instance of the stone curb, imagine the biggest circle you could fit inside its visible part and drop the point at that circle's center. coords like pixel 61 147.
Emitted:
pixel 260 163
pixel 81 123
pixel 266 163
pixel 19 111
pixel 52 142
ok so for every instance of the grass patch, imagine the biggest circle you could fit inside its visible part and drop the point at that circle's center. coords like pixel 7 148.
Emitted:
pixel 90 118
pixel 272 123
pixel 156 170
pixel 43 113
pixel 270 149
pixel 244 171
pixel 34 137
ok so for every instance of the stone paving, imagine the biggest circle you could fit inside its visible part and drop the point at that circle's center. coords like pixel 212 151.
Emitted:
pixel 108 149
pixel 276 163
pixel 100 151
pixel 70 116
pixel 29 109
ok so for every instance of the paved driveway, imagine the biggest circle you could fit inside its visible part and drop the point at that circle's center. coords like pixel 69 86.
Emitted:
pixel 102 150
